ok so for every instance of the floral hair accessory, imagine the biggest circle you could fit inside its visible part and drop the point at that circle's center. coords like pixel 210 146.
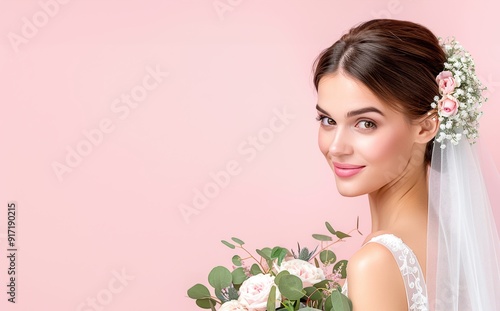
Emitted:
pixel 461 97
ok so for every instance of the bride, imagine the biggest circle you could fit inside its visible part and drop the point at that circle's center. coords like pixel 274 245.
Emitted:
pixel 398 112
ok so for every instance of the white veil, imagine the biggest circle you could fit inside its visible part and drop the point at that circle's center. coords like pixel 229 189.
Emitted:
pixel 463 257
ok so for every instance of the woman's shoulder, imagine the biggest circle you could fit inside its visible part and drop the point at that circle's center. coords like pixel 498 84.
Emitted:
pixel 374 256
pixel 374 278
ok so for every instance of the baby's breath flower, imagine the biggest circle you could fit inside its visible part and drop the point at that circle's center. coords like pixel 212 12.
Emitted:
pixel 467 91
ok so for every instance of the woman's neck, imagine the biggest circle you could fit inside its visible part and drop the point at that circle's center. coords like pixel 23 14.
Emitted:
pixel 394 205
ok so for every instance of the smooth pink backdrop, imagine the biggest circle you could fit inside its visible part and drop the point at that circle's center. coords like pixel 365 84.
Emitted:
pixel 109 229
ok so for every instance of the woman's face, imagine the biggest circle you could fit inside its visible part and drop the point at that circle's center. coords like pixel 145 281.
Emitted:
pixel 368 145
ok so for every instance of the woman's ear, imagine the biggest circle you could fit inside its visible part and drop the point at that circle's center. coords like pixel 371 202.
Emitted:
pixel 428 127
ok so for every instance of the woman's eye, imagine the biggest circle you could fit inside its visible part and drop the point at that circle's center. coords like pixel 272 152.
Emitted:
pixel 366 125
pixel 324 120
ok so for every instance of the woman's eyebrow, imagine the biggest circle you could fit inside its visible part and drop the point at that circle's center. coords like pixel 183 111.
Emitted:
pixel 354 112
pixel 322 110
pixel 363 110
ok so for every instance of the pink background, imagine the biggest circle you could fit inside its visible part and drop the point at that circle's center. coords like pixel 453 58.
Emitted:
pixel 117 210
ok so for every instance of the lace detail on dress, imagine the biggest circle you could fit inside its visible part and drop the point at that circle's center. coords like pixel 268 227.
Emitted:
pixel 416 290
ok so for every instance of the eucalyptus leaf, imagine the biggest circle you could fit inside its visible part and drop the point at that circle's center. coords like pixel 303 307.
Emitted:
pixel 329 227
pixel 291 286
pixel 343 270
pixel 339 302
pixel 255 269
pixel 264 253
pixel 271 300
pixel 316 263
pixel 220 277
pixel 322 237
pixel 341 235
pixel 198 291
pixel 237 241
pixel 236 260
pixel 206 303
pixel 313 293
pixel 322 284
pixel 239 276
pixel 327 257
pixel 280 253
pixel 328 303
pixel 278 277
pixel 228 244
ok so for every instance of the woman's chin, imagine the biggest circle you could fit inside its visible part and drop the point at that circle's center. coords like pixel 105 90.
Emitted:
pixel 349 192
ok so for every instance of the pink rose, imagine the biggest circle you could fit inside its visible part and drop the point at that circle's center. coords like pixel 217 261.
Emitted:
pixel 306 271
pixel 448 106
pixel 446 82
pixel 233 305
pixel 255 290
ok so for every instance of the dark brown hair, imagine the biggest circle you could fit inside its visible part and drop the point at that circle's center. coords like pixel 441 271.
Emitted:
pixel 397 60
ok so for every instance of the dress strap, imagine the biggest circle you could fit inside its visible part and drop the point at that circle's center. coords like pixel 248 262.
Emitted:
pixel 416 289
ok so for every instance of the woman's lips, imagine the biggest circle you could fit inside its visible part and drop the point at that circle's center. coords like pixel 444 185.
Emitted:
pixel 347 170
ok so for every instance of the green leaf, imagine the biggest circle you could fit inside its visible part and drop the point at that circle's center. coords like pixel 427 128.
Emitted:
pixel 322 237
pixel 255 269
pixel 341 235
pixel 339 302
pixel 206 303
pixel 198 291
pixel 280 253
pixel 343 270
pixel 328 303
pixel 329 227
pixel 316 263
pixel 264 253
pixel 228 244
pixel 309 309
pixel 322 284
pixel 313 293
pixel 236 260
pixel 278 277
pixel 327 257
pixel 271 300
pixel 220 277
pixel 291 286
pixel 239 276
pixel 238 241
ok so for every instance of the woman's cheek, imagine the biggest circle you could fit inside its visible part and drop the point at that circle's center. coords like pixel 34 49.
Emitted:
pixel 323 142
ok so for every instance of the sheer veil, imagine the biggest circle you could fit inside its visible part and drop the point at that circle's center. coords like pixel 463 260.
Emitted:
pixel 463 257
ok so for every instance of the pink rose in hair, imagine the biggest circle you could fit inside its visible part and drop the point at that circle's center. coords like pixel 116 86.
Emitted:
pixel 448 106
pixel 446 82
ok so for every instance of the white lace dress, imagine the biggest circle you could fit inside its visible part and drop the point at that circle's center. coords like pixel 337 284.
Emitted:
pixel 416 290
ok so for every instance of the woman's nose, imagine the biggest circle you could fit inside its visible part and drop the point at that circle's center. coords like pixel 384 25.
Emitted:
pixel 341 143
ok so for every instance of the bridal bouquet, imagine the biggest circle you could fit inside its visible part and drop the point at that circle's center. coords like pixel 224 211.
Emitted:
pixel 279 279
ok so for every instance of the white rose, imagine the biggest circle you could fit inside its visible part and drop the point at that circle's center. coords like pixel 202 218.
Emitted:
pixel 306 271
pixel 233 305
pixel 255 290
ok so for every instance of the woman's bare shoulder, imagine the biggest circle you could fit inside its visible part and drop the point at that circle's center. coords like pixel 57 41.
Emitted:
pixel 375 281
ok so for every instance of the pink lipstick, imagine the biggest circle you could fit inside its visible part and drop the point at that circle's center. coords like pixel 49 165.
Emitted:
pixel 346 170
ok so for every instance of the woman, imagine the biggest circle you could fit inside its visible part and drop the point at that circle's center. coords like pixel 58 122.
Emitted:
pixel 385 100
